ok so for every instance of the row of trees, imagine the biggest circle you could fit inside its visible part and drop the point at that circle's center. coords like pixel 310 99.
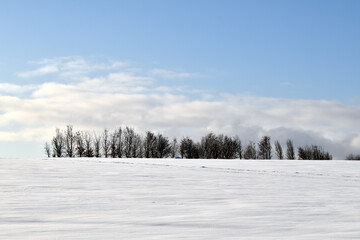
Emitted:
pixel 125 142
pixel 121 143
pixel 353 157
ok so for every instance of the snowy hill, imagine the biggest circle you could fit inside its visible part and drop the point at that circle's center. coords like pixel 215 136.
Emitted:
pixel 178 199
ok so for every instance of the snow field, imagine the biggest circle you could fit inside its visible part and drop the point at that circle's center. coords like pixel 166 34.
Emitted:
pixel 178 199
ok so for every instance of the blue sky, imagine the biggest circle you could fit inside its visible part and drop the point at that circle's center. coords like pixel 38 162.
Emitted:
pixel 247 53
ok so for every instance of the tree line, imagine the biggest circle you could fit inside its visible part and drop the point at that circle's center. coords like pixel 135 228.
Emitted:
pixel 353 157
pixel 126 142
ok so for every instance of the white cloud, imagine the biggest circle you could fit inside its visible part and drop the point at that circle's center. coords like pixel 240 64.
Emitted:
pixel 128 79
pixel 71 68
pixel 126 98
pixel 355 141
pixel 9 88
pixel 163 73
pixel 44 70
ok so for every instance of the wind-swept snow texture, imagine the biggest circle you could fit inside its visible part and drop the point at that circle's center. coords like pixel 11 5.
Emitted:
pixel 178 199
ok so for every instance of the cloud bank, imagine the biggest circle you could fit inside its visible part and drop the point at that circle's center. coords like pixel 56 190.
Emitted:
pixel 94 96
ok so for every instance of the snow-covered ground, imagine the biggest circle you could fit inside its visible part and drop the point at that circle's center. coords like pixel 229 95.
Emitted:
pixel 178 199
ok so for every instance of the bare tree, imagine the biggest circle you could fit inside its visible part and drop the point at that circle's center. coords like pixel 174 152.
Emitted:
pixel 207 145
pixel 129 143
pixel 239 149
pixel 211 146
pixel 80 144
pixel 136 148
pixel 150 145
pixel 229 148
pixel 264 148
pixel 353 157
pixel 113 144
pixel 196 151
pixel 163 146
pixel 304 153
pixel 290 154
pixel 129 135
pixel 97 146
pixel 218 146
pixel 105 143
pixel 278 150
pixel 70 141
pixel 140 150
pixel 313 153
pixel 250 151
pixel 119 148
pixel 47 149
pixel 187 148
pixel 58 143
pixel 174 148
pixel 89 151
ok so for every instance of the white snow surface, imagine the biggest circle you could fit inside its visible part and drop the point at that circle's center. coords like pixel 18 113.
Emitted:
pixel 178 199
